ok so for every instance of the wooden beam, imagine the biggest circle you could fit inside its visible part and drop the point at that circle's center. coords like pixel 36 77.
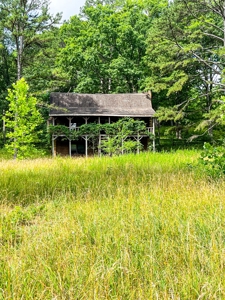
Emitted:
pixel 138 140
pixel 70 154
pixel 153 131
pixel 70 119
pixel 86 138
pixel 53 146
pixel 99 139
pixel 86 146
pixel 53 140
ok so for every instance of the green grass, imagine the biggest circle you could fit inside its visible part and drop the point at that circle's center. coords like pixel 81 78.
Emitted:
pixel 130 227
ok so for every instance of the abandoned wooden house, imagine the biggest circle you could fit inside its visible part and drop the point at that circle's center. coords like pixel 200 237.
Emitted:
pixel 73 110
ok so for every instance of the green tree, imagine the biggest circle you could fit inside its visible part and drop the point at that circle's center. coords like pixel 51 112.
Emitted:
pixel 23 21
pixel 25 46
pixel 22 120
pixel 104 48
pixel 43 75
pixel 185 57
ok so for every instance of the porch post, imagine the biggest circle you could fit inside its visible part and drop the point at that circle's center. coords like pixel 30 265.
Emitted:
pixel 86 146
pixel 3 129
pixel 86 138
pixel 99 139
pixel 53 146
pixel 138 147
pixel 153 131
pixel 53 139
pixel 69 122
pixel 70 154
pixel 70 119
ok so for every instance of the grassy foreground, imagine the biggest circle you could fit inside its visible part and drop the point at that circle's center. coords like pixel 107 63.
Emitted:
pixel 130 227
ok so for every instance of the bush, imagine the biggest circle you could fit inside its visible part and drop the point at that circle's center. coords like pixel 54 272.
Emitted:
pixel 213 159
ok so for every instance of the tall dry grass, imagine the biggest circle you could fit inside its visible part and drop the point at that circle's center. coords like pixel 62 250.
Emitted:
pixel 130 227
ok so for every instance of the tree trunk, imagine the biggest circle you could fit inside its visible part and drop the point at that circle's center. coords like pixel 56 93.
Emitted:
pixel 224 24
pixel 19 57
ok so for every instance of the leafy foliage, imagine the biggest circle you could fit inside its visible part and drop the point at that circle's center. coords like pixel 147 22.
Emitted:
pixel 120 140
pixel 22 120
pixel 213 159
pixel 22 23
pixel 26 47
pixel 104 48
pixel 185 55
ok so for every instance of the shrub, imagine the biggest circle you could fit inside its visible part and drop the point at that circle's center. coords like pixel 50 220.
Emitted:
pixel 213 159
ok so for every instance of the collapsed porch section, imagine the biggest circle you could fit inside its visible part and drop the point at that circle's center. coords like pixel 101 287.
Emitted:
pixel 74 110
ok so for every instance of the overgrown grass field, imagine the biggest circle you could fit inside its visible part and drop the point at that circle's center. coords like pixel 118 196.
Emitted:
pixel 148 226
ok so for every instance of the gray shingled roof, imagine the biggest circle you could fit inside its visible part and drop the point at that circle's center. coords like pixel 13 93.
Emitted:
pixel 120 105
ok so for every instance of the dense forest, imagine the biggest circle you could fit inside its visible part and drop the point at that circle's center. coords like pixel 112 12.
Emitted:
pixel 176 49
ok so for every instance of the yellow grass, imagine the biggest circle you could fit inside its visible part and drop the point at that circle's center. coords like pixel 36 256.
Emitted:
pixel 132 227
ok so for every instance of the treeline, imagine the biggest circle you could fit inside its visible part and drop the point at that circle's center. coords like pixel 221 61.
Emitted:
pixel 176 49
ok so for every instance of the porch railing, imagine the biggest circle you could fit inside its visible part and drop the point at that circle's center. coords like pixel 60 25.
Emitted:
pixel 149 129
